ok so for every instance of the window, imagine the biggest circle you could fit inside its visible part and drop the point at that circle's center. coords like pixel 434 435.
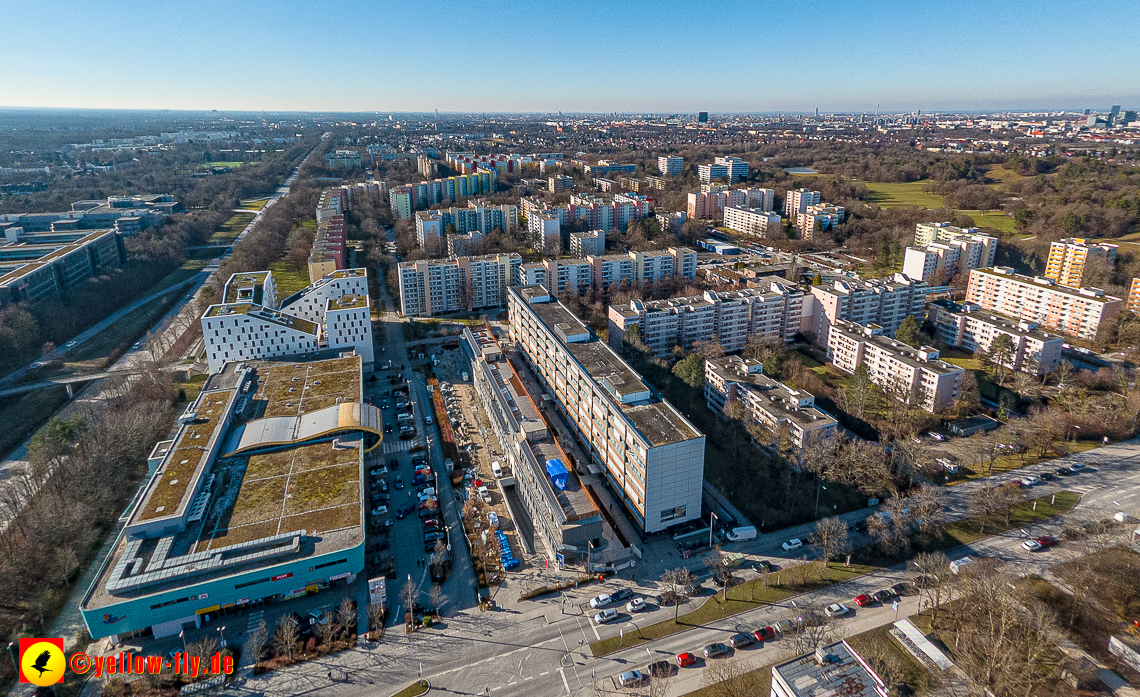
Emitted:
pixel 672 513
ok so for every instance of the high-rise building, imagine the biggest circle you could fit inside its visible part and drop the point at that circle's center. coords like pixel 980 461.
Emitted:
pixel 914 375
pixel 409 198
pixel 436 286
pixel 969 327
pixel 651 456
pixel 937 262
pixel 714 198
pixel 753 221
pixel 671 165
pixel 702 117
pixel 584 244
pixel 774 312
pixel 1080 312
pixel 885 302
pixel 1069 257
pixel 766 401
pixel 927 233
pixel 798 200
pixel 819 217
pixel 560 182
pixel 733 169
pixel 1134 297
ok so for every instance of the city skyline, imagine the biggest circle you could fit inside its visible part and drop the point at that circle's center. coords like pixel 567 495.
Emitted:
pixel 544 58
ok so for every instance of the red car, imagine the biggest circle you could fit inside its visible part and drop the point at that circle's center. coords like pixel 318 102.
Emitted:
pixel 1046 541
pixel 686 659
pixel 764 634
pixel 863 600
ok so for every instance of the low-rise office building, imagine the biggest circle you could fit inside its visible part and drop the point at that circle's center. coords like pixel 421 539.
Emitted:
pixel 914 375
pixel 651 456
pixel 330 314
pixel 48 266
pixel 969 327
pixel 771 312
pixel 767 402
pixel 255 500
pixel 562 512
pixel 1079 312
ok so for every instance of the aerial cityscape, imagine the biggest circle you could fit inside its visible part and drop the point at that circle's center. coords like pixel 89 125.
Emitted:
pixel 361 369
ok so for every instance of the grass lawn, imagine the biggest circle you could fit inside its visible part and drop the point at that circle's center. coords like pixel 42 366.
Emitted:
pixel 879 642
pixel 22 414
pixel 890 194
pixel 1008 463
pixel 807 360
pixel 413 690
pixel 992 219
pixel 1036 510
pixel 192 387
pixel 999 175
pixel 255 204
pixel 289 280
pixel 231 165
pixel 747 596
pixel 229 230
pixel 759 681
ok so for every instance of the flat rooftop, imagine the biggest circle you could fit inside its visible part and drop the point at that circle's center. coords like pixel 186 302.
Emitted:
pixel 776 397
pixel 656 419
pixel 1088 294
pixel 834 670
pixel 264 313
pixel 348 302
pixel 252 511
pixel 903 352
pixel 1006 324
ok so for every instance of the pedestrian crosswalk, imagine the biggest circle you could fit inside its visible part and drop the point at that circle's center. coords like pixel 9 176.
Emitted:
pixel 255 618
pixel 399 446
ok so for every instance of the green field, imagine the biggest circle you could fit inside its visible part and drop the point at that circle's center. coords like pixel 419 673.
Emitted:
pixel 229 230
pixel 992 219
pixel 892 194
pixel 254 204
pixel 231 165
pixel 289 280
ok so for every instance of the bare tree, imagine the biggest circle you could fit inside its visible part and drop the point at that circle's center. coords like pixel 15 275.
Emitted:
pixel 346 615
pixel 436 596
pixel 830 538
pixel 732 677
pixel 258 640
pixel 932 569
pixel 409 593
pixel 285 636
pixel 677 583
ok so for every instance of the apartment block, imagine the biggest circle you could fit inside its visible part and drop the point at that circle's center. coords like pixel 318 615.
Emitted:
pixel 767 402
pixel 671 165
pixel 584 244
pixel 651 456
pixel 1068 258
pixel 885 302
pixel 819 217
pixel 1079 312
pixel 798 200
pixel 915 375
pixel 753 221
pixel 436 286
pixel 409 198
pixel 566 519
pixel 671 222
pixel 928 233
pixel 643 267
pixel 330 314
pixel 969 327
pixel 560 182
pixel 1134 297
pixel 713 199
pixel 771 312
pixel 605 168
pixel 937 262
pixel 342 159
pixel 732 169
pixel 544 232
pixel 556 275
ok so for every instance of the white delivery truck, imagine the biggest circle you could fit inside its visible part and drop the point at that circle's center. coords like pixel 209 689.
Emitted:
pixel 740 534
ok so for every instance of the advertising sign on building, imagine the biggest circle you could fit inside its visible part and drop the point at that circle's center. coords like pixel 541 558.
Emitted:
pixel 377 593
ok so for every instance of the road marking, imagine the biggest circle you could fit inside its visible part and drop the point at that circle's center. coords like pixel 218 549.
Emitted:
pixel 544 673
pixel 562 672
pixel 595 628
pixel 529 677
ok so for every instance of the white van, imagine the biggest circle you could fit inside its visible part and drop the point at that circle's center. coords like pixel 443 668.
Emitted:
pixel 496 470
pixel 739 534
pixel 958 564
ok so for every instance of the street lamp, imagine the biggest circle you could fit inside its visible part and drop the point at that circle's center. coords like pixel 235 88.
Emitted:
pixel 711 516
pixel 182 636
pixel 221 633
pixel 818 487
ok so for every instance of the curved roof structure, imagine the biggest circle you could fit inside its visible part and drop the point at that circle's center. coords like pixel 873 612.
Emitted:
pixel 286 431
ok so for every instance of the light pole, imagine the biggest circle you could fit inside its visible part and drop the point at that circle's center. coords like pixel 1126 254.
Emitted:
pixel 182 636
pixel 12 653
pixel 711 516
pixel 222 634
pixel 819 485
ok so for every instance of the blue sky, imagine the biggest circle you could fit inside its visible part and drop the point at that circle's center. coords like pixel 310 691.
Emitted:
pixel 580 55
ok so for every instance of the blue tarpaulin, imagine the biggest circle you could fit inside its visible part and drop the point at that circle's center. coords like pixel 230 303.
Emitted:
pixel 557 472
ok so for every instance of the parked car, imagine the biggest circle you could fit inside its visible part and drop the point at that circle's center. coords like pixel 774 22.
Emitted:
pixel 786 626
pixel 863 600
pixel 1030 480
pixel 406 508
pixel 600 601
pixel 792 544
pixel 660 669
pixel 902 588
pixel 1046 477
pixel 380 510
pixel 764 634
pixel 1043 542
pixel 936 435
pixel 761 565
pixel 635 605
pixel 399 482
pixel 1077 466
pixel 631 678
pixel 379 472
pixel 716 650
pixel 1064 472
pixel 686 659
pixel 883 596
pixel 836 610
pixel 608 615
pixel 621 594
pixel 739 641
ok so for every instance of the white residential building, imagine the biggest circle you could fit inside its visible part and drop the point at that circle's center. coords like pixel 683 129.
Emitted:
pixel 1079 312
pixel 732 317
pixel 946 250
pixel 945 233
pixel 798 200
pixel 436 286
pixel 915 375
pixel 733 169
pixel 969 327
pixel 753 221
pixel 651 456
pixel 885 302
pixel 584 244
pixel 332 313
pixel 767 402
pixel 556 275
pixel 544 231
pixel 671 165
pixel 818 217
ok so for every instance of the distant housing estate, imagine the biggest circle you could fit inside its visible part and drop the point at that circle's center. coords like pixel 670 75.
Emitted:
pixel 128 215
pixel 406 200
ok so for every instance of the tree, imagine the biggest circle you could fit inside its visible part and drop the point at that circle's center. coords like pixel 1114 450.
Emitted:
pixel 691 370
pixel 983 502
pixel 831 538
pixel 732 677
pixel 285 636
pixel 858 391
pixel 258 640
pixel 436 596
pixel 409 593
pixel 932 569
pixel 346 615
pixel 908 332
pixel 999 356
pixel 677 583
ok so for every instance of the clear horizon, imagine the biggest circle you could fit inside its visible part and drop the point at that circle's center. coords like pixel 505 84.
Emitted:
pixel 592 58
